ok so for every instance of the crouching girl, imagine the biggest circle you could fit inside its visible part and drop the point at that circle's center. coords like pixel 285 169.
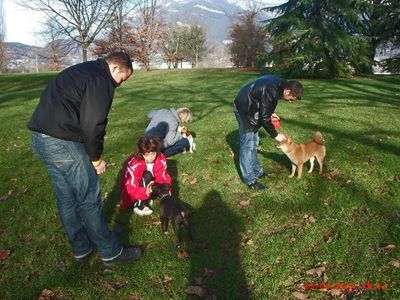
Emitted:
pixel 143 168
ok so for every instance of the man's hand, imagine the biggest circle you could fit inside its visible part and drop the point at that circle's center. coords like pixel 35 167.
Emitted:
pixel 280 137
pixel 101 167
pixel 275 116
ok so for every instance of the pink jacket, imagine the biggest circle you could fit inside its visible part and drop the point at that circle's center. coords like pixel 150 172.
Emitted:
pixel 133 173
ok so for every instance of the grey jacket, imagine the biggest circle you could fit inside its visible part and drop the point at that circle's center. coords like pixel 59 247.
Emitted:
pixel 164 124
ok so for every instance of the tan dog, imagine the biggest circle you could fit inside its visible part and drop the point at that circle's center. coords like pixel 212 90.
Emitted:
pixel 300 153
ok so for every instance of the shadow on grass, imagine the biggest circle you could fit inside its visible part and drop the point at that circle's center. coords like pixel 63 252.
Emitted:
pixel 216 259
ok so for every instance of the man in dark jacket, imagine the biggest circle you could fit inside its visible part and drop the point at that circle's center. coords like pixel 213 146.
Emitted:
pixel 254 106
pixel 68 128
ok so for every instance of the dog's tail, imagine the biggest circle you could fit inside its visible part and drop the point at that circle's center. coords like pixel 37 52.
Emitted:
pixel 318 138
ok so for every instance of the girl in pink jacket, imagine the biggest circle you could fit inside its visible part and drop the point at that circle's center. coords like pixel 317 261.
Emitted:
pixel 145 166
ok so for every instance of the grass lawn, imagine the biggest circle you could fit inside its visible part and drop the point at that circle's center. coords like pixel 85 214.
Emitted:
pixel 286 242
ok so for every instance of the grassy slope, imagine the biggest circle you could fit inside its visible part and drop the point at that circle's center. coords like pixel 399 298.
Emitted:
pixel 263 249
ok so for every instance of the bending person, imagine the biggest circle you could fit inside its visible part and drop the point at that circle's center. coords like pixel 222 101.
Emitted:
pixel 164 124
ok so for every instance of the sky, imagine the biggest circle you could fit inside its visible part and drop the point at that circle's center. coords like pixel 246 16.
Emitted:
pixel 23 25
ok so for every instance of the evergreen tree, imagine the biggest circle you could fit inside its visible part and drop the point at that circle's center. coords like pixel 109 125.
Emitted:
pixel 318 37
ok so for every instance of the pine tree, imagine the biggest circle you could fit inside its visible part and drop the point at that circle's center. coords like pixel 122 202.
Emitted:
pixel 318 37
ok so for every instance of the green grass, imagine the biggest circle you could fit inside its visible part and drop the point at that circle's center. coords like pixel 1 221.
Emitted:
pixel 262 251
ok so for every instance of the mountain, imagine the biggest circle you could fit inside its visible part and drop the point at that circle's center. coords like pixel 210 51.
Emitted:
pixel 215 16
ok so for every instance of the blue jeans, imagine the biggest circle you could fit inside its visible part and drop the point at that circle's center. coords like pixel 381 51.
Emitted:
pixel 178 147
pixel 248 161
pixel 77 191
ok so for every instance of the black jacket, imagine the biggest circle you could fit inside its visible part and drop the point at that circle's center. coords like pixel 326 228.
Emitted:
pixel 75 105
pixel 256 102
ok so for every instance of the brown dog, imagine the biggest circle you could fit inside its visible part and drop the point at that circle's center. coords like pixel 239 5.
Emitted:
pixel 187 134
pixel 300 153
pixel 174 210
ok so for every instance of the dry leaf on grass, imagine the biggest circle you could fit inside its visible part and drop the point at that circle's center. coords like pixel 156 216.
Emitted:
pixel 167 280
pixel 335 292
pixel 395 263
pixel 316 271
pixel 46 293
pixel 309 218
pixel 250 242
pixel 390 247
pixel 196 290
pixel 6 196
pixel 331 175
pixel 4 254
pixel 244 202
pixel 300 296
pixel 183 255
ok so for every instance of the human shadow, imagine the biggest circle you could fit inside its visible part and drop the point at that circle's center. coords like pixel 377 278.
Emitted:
pixel 215 259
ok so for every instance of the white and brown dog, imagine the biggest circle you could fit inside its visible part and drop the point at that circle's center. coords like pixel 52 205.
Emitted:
pixel 187 134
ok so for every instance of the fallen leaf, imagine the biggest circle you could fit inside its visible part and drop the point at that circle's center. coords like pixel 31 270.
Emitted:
pixel 309 219
pixel 349 181
pixel 134 297
pixel 47 294
pixel 6 196
pixel 300 296
pixel 155 222
pixel 4 254
pixel 335 292
pixel 167 280
pixel 245 202
pixel 334 173
pixel 316 271
pixel 196 290
pixel 183 255
pixel 271 175
pixel 395 263
pixel 250 242
pixel 193 181
pixel 390 247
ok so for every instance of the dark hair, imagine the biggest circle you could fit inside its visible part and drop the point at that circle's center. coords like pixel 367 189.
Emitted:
pixel 147 144
pixel 121 59
pixel 295 87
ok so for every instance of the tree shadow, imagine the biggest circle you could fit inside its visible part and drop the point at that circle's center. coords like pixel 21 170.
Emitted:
pixel 215 259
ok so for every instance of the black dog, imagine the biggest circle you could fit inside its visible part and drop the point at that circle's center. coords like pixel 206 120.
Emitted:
pixel 174 210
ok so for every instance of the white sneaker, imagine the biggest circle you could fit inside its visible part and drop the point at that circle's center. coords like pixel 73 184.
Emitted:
pixel 142 212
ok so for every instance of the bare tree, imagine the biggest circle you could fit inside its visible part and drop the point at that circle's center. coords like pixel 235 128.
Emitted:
pixel 194 44
pixel 3 58
pixel 149 31
pixel 57 47
pixel 119 35
pixel 172 45
pixel 81 20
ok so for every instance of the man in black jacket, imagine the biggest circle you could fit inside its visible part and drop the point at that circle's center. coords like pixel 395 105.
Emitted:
pixel 254 106
pixel 68 128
